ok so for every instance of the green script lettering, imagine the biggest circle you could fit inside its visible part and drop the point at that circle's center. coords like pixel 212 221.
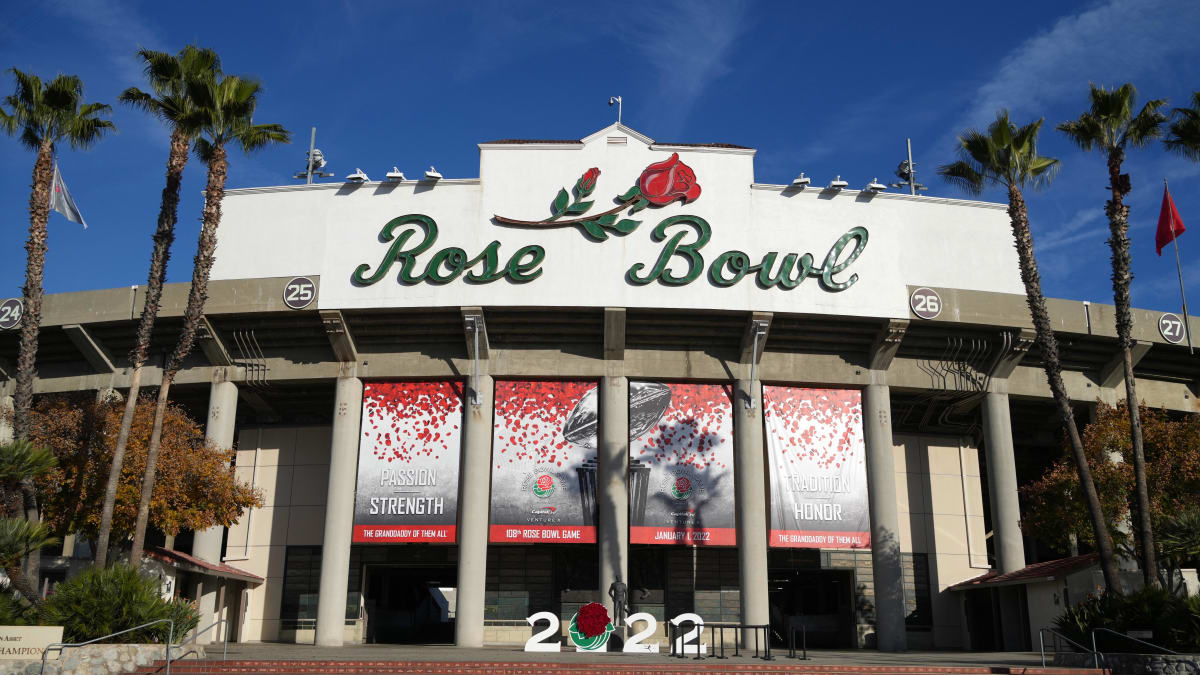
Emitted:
pixel 689 252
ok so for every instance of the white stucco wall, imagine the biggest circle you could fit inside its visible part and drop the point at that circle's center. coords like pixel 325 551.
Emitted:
pixel 330 229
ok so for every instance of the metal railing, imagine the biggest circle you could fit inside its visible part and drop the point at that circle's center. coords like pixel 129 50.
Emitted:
pixel 63 645
pixel 1097 657
pixel 676 631
pixel 792 628
pixel 1127 637
pixel 193 641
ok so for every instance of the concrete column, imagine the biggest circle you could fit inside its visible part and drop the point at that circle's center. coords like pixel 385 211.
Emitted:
pixel 6 411
pixel 751 504
pixel 474 503
pixel 885 519
pixel 1002 483
pixel 612 487
pixel 222 415
pixel 339 513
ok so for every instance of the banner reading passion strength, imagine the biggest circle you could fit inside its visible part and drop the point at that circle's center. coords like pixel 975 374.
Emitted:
pixel 681 487
pixel 408 458
pixel 544 462
pixel 818 473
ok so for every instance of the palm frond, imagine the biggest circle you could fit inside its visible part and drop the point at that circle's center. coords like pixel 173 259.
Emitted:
pixel 20 537
pixel 21 459
pixel 257 136
pixel 963 176
pixel 1147 125
pixel 1183 134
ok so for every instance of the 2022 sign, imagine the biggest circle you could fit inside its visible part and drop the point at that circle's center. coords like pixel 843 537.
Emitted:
pixel 592 636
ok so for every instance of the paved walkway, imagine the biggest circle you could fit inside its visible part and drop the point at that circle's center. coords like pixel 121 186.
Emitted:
pixel 447 653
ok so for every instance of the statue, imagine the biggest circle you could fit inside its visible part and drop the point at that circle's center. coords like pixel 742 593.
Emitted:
pixel 619 593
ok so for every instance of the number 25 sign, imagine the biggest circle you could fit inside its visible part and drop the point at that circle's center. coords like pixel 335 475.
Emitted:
pixel 591 627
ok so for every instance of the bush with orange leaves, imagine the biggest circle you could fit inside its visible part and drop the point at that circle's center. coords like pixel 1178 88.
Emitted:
pixel 195 486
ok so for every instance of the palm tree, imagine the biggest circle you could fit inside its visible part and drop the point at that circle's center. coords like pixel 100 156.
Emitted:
pixel 224 113
pixel 168 75
pixel 21 462
pixel 1183 135
pixel 1110 127
pixel 1006 156
pixel 42 114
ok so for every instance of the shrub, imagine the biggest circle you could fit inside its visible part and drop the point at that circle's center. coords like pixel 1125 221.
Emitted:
pixel 1174 620
pixel 103 601
pixel 14 612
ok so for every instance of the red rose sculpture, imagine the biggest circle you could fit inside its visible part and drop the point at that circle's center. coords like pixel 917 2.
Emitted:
pixel 587 182
pixel 592 619
pixel 666 181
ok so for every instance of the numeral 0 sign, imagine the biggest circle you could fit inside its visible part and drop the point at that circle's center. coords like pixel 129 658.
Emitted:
pixel 10 313
pixel 1171 327
pixel 299 293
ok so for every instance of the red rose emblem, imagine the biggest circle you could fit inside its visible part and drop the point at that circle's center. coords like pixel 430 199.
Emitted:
pixel 592 619
pixel 682 484
pixel 666 181
pixel 545 482
pixel 587 182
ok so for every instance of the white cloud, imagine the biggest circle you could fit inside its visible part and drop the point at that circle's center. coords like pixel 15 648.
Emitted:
pixel 1116 41
pixel 116 28
pixel 685 43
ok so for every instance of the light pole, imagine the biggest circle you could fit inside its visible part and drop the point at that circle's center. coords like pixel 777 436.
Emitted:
pixel 316 160
pixel 907 172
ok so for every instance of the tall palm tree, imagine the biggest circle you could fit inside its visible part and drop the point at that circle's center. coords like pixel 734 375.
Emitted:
pixel 1111 126
pixel 43 114
pixel 168 100
pixel 1006 156
pixel 1183 134
pixel 224 114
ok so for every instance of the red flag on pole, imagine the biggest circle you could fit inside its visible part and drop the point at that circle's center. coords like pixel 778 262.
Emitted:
pixel 1170 225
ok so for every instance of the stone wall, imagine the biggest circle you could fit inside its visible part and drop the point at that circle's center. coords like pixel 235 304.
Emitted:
pixel 1136 664
pixel 103 659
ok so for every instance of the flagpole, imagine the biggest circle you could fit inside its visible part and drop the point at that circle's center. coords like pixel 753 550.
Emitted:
pixel 1187 328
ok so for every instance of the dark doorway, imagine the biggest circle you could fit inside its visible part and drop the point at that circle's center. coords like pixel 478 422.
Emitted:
pixel 982 620
pixel 820 600
pixel 409 604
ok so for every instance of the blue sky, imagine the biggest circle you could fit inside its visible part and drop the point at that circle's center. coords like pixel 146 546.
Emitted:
pixel 822 88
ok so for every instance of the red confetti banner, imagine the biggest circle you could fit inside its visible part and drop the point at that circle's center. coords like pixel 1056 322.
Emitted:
pixel 544 462
pixel 817 459
pixel 681 480
pixel 408 458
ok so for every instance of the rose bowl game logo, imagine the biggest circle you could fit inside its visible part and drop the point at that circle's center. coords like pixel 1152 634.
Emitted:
pixel 590 628
pixel 660 184
pixel 543 487
pixel 682 488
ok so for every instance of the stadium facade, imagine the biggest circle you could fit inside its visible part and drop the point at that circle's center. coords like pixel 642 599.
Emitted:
pixel 615 360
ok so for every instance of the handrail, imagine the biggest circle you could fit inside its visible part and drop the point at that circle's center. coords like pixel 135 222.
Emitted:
pixel 1127 637
pixel 198 633
pixel 1097 657
pixel 62 645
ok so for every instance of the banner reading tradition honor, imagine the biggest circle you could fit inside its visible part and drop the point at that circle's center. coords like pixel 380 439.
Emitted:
pixel 681 486
pixel 408 458
pixel 544 462
pixel 817 457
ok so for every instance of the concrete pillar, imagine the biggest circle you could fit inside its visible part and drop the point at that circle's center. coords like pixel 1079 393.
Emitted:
pixel 751 509
pixel 1002 483
pixel 222 415
pixel 6 411
pixel 885 519
pixel 474 504
pixel 612 487
pixel 339 513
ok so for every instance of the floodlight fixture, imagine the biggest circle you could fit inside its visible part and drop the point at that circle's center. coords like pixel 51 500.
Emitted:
pixel 358 176
pixel 395 175
pixel 836 184
pixel 432 174
pixel 801 181
pixel 875 186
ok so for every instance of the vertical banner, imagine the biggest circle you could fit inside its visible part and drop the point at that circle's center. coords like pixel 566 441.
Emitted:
pixel 408 457
pixel 544 462
pixel 817 456
pixel 681 464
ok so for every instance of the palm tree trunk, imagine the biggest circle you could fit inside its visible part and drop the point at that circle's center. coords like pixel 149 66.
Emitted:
pixel 1122 277
pixel 206 248
pixel 20 582
pixel 1019 217
pixel 164 236
pixel 35 265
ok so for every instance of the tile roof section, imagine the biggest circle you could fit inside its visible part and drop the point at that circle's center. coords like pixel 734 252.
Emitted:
pixel 525 141
pixel 1041 571
pixel 730 146
pixel 189 563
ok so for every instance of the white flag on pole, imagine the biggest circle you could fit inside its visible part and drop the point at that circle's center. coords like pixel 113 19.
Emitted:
pixel 60 199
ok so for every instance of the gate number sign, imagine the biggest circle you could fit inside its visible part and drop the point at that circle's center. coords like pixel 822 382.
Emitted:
pixel 925 303
pixel 299 293
pixel 1170 325
pixel 10 313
